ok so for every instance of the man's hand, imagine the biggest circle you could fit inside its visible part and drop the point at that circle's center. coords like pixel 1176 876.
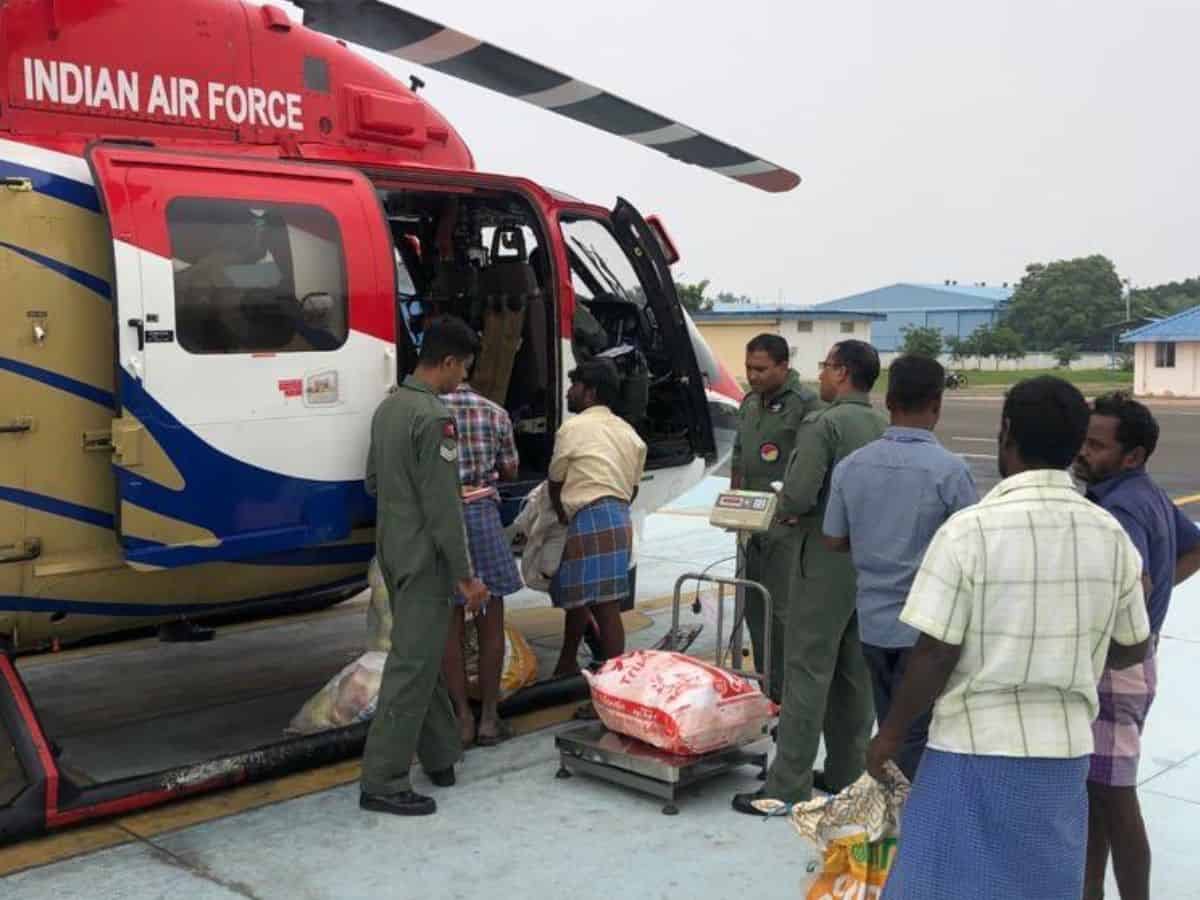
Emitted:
pixel 883 747
pixel 475 592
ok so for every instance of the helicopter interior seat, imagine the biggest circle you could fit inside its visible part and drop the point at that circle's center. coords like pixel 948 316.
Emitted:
pixel 507 287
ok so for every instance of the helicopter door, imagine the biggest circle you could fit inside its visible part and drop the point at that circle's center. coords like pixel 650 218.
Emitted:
pixel 645 252
pixel 255 336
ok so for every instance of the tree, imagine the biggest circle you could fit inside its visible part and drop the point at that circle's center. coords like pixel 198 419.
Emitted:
pixel 1065 355
pixel 959 348
pixel 692 295
pixel 1007 344
pixel 1165 300
pixel 727 298
pixel 1065 301
pixel 921 341
pixel 998 342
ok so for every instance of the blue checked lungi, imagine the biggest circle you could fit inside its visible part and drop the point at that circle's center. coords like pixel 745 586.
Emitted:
pixel 595 560
pixel 992 828
pixel 491 555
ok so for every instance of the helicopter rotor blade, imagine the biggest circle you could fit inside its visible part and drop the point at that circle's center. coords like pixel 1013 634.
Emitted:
pixel 389 29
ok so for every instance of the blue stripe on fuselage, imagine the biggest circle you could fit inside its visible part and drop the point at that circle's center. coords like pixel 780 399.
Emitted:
pixel 57 186
pixel 57 507
pixel 18 603
pixel 89 281
pixel 62 382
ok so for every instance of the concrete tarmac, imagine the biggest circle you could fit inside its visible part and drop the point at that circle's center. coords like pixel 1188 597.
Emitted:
pixel 970 425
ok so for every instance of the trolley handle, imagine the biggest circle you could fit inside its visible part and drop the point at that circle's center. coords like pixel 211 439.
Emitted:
pixel 722 582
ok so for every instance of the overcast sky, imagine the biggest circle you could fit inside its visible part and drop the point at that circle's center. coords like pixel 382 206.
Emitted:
pixel 935 138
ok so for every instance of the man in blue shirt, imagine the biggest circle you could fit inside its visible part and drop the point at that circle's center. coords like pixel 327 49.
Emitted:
pixel 886 501
pixel 1121 437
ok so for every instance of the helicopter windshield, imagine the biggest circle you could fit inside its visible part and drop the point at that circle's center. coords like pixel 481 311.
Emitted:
pixel 599 268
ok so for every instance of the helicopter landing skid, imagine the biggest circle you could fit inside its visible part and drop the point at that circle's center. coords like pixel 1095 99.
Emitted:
pixel 37 796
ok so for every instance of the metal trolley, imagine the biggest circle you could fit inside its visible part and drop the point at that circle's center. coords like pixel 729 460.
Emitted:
pixel 594 750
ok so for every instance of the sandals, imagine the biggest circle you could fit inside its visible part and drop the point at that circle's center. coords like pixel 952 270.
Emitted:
pixel 503 733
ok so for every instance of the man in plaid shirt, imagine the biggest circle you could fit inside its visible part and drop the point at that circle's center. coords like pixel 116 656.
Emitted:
pixel 487 453
pixel 1021 601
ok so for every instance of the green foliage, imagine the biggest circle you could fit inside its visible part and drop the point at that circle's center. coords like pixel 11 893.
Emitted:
pixel 998 342
pixel 728 298
pixel 1065 355
pixel 692 295
pixel 959 348
pixel 922 341
pixel 1165 300
pixel 1065 301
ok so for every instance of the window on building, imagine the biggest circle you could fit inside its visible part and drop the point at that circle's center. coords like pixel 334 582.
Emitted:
pixel 804 327
pixel 256 277
pixel 847 328
pixel 1164 356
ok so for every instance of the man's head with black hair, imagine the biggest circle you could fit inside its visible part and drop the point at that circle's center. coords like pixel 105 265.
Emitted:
pixel 1042 426
pixel 594 383
pixel 849 367
pixel 1121 436
pixel 767 363
pixel 448 350
pixel 915 388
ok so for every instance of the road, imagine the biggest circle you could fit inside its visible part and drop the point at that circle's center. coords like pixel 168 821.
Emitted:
pixel 970 424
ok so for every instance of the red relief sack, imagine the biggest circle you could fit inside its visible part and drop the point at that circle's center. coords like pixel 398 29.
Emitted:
pixel 677 703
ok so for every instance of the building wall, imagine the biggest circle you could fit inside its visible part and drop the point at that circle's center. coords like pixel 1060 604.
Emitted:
pixel 1181 381
pixel 808 346
pixel 889 333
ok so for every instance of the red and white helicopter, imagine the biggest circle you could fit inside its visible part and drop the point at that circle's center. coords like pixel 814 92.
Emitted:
pixel 220 233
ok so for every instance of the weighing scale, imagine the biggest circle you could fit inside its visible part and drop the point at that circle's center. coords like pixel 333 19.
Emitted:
pixel 592 749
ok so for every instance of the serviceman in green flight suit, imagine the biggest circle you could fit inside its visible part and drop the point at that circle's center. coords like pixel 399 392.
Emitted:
pixel 421 546
pixel 767 423
pixel 827 687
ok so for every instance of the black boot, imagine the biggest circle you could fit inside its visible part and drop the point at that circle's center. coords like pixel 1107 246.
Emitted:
pixel 405 803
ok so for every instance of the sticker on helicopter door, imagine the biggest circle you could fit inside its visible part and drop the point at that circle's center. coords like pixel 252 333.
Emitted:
pixel 321 389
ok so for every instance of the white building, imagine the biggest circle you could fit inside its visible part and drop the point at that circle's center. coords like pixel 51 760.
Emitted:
pixel 1166 359
pixel 809 333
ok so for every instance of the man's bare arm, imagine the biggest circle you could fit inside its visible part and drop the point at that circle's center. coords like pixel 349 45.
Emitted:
pixel 1187 565
pixel 555 488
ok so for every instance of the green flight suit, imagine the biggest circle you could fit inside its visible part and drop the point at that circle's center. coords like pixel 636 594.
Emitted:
pixel 765 438
pixel 827 688
pixel 421 546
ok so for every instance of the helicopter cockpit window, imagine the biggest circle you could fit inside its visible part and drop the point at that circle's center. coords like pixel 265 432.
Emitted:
pixel 599 268
pixel 256 277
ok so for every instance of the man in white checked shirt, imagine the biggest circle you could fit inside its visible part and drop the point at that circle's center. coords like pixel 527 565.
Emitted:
pixel 1021 601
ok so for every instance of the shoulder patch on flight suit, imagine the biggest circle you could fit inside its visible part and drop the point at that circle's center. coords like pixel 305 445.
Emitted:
pixel 448 450
pixel 775 406
pixel 768 452
pixel 448 429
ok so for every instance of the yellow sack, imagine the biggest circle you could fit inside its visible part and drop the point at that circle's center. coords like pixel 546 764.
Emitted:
pixel 856 833
pixel 520 667
pixel 854 869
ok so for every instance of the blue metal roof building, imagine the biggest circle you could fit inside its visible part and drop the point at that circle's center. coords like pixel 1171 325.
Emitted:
pixel 957 310
pixel 1184 326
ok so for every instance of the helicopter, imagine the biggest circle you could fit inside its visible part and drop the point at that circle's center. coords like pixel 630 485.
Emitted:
pixel 220 247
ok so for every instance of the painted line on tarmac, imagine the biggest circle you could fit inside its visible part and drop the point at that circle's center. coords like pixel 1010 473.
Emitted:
pixel 1188 500
pixel 976 440
pixel 978 456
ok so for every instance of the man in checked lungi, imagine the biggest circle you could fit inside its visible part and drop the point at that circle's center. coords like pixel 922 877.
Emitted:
pixel 594 473
pixel 1021 601
pixel 1121 436
pixel 487 454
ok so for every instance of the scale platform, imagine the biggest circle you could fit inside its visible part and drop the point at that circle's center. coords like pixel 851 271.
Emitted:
pixel 594 750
